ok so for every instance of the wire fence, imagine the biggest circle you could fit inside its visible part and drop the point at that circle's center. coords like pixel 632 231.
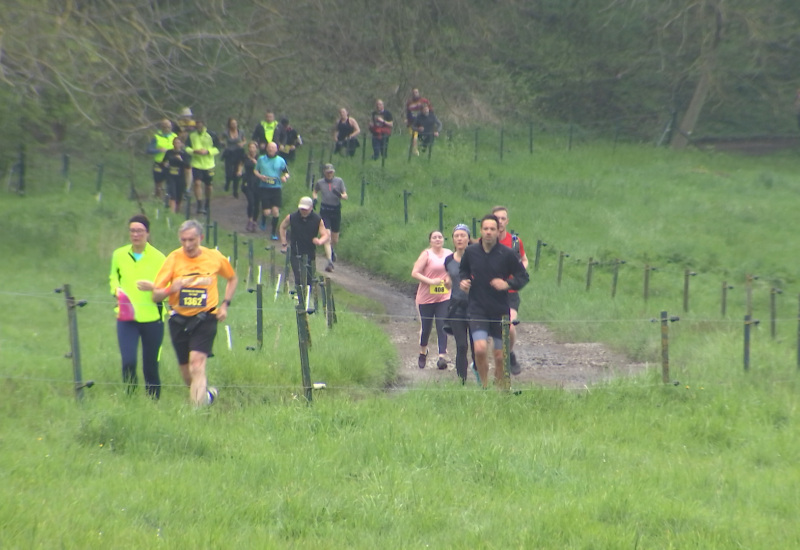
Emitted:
pixel 612 277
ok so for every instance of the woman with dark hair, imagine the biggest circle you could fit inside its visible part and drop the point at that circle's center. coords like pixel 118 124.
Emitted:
pixel 433 297
pixel 457 322
pixel 250 186
pixel 233 140
pixel 133 269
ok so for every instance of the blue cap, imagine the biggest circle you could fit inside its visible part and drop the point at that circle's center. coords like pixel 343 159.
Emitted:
pixel 462 227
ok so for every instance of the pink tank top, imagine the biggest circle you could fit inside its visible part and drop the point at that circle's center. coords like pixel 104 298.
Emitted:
pixel 434 269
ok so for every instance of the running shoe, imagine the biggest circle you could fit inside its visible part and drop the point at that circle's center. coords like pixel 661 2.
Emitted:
pixel 212 394
pixel 515 366
pixel 329 267
pixel 441 364
pixel 475 370
pixel 333 255
pixel 423 357
pixel 274 237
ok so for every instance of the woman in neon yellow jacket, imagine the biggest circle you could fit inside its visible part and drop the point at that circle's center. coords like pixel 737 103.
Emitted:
pixel 133 269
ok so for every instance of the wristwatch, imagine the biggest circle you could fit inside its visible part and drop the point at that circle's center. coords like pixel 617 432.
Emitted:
pixel 227 302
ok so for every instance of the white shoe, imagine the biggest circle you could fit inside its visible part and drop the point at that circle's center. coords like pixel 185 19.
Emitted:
pixel 212 394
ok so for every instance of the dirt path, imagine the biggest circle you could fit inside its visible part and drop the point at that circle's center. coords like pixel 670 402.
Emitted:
pixel 544 360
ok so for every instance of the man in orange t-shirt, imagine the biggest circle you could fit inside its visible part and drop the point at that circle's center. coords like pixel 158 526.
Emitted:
pixel 189 279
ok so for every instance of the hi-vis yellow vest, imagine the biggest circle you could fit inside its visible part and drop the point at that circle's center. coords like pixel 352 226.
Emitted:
pixel 163 142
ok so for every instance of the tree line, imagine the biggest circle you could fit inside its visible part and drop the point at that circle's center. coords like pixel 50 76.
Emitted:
pixel 89 68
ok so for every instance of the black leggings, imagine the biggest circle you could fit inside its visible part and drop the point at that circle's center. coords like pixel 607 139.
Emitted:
pixel 231 168
pixel 429 312
pixel 151 334
pixel 463 343
pixel 251 193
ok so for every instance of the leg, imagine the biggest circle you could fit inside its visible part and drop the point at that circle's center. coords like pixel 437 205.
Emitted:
pixel 426 313
pixel 208 189
pixel 385 146
pixel 128 338
pixel 499 370
pixel 198 389
pixel 459 327
pixel 230 168
pixel 376 146
pixel 440 314
pixel 275 219
pixel 152 336
pixel 480 347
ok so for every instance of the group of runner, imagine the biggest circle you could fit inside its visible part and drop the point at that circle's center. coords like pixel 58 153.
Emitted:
pixel 466 293
pixel 422 124
pixel 142 278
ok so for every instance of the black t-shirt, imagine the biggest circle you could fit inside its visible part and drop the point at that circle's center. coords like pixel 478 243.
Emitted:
pixel 303 231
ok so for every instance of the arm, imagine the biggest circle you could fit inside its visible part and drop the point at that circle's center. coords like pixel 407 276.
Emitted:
pixel 152 147
pixel 230 288
pixel 282 230
pixel 324 235
pixel 419 265
pixel 344 191
pixel 188 145
pixel 520 274
pixel 465 273
pixel 524 260
pixel 438 126
pixel 214 149
pixel 113 277
pixel 356 129
pixel 160 293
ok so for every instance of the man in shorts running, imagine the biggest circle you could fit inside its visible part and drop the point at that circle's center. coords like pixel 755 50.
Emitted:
pixel 189 279
pixel 488 270
pixel 272 172
pixel 513 242
pixel 333 192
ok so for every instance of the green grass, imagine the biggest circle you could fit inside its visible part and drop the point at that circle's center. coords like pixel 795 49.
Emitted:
pixel 709 462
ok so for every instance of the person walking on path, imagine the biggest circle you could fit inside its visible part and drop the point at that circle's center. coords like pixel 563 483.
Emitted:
pixel 189 279
pixel 488 270
pixel 233 140
pixel 433 297
pixel 250 183
pixel 331 192
pixel 133 270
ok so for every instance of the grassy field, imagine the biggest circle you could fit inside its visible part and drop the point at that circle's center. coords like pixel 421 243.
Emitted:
pixel 709 462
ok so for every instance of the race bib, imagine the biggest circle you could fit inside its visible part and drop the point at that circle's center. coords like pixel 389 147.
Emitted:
pixel 192 297
pixel 438 289
pixel 211 173
pixel 271 181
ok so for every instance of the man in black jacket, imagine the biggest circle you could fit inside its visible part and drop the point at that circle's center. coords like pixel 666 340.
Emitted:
pixel 488 270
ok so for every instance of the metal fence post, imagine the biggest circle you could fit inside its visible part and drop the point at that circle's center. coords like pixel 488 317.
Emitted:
pixel 74 341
